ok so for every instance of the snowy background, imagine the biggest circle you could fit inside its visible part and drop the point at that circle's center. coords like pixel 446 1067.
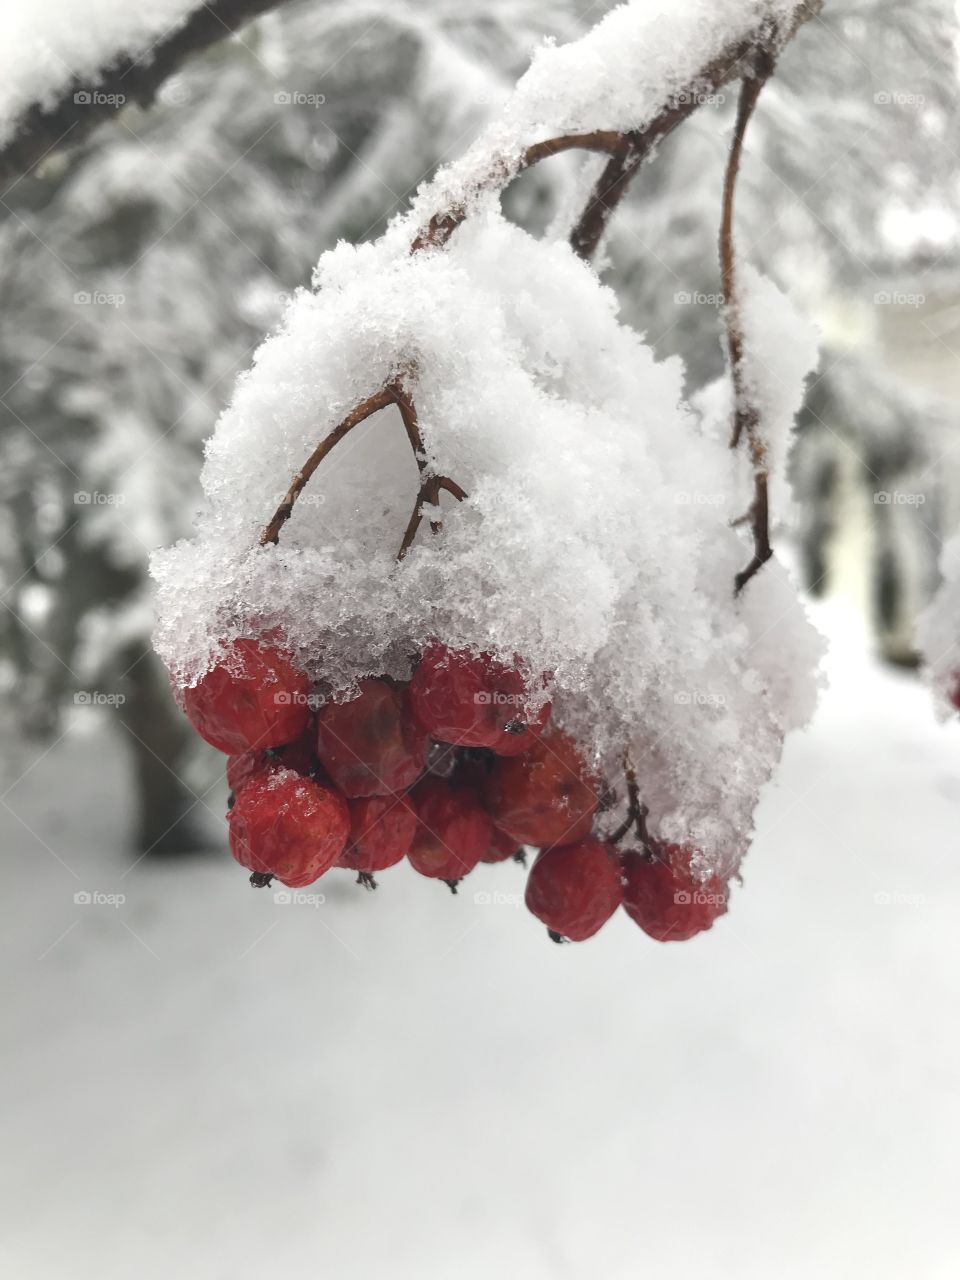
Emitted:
pixel 202 1081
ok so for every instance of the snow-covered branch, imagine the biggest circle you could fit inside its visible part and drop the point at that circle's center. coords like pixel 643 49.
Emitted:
pixel 37 117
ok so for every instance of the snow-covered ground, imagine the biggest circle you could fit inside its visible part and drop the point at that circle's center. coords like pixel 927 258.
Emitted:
pixel 203 1083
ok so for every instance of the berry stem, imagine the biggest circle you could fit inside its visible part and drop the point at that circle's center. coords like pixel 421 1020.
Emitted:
pixel 428 493
pixel 637 811
pixel 746 419
pixel 365 409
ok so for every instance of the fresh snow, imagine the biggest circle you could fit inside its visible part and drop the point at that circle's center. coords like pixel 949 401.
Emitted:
pixel 596 540
pixel 411 1085
pixel 48 45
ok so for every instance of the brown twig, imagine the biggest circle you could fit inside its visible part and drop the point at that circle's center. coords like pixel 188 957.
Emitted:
pixel 746 416
pixel 612 184
pixel 430 484
pixel 373 404
pixel 637 811
pixel 626 152
pixel 499 175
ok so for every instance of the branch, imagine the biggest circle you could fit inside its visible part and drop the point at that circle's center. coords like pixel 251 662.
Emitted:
pixel 499 175
pixel 430 484
pixel 494 173
pixel 746 418
pixel 135 79
pixel 373 404
pixel 612 184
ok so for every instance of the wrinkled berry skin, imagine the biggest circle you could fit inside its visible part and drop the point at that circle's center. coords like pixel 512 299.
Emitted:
pixel 453 832
pixel 471 700
pixel 544 797
pixel 242 767
pixel 575 888
pixel 287 826
pixel 381 833
pixel 297 755
pixel 664 899
pixel 253 698
pixel 371 746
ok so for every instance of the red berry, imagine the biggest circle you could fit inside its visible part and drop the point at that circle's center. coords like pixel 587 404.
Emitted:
pixel 453 832
pixel 301 754
pixel 953 693
pixel 287 826
pixel 501 847
pixel 575 888
pixel 472 700
pixel 243 766
pixel 254 697
pixel 381 832
pixel 665 899
pixel 545 797
pixel 371 746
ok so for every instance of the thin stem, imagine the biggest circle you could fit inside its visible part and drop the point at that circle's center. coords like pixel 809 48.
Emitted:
pixel 746 416
pixel 373 404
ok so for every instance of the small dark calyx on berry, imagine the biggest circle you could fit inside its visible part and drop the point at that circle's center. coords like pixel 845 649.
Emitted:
pixel 261 879
pixel 556 937
pixel 452 885
pixel 366 879
pixel 516 726
pixel 520 857
pixel 231 801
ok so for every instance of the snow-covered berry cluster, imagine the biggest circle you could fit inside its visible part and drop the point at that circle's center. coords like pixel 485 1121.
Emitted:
pixel 454 452
pixel 458 766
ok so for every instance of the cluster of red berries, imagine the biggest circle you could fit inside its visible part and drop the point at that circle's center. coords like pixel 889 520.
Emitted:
pixel 454 768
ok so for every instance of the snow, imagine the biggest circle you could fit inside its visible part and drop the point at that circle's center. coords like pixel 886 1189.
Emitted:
pixel 596 539
pixel 638 60
pixel 49 46
pixel 408 1084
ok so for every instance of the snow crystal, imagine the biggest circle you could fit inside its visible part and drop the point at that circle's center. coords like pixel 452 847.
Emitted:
pixel 596 539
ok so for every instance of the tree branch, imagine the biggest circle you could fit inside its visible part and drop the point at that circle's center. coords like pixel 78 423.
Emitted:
pixel 134 79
